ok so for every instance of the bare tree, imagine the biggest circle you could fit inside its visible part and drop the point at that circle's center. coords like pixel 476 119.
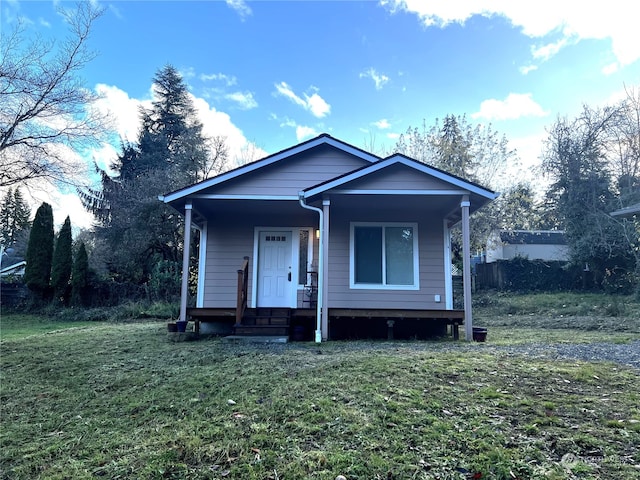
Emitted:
pixel 45 113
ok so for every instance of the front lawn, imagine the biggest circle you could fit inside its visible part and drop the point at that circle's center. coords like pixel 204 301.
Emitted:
pixel 120 401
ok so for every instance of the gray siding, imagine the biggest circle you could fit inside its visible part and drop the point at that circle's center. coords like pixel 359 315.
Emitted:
pixel 399 177
pixel 294 174
pixel 229 240
pixel 431 265
pixel 226 248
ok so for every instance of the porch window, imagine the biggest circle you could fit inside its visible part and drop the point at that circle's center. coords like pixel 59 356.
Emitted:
pixel 384 256
pixel 303 263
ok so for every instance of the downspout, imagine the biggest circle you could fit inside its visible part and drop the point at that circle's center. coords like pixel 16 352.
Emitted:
pixel 320 264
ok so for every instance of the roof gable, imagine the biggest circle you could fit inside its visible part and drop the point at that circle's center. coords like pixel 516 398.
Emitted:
pixel 533 237
pixel 442 178
pixel 271 160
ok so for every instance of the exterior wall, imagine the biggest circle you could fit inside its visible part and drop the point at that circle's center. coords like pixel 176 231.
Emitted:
pixel 431 263
pixel 229 239
pixel 497 249
pixel 226 247
pixel 399 177
pixel 294 174
pixel 536 252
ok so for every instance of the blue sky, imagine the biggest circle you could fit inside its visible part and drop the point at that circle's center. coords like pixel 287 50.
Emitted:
pixel 270 74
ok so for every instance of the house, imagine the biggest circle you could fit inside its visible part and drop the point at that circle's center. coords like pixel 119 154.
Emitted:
pixel 14 270
pixel 331 233
pixel 627 212
pixel 532 244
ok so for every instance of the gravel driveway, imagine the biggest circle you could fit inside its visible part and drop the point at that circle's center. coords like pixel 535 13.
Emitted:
pixel 623 353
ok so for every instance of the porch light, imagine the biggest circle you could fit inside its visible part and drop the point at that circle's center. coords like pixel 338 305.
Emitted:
pixel 318 234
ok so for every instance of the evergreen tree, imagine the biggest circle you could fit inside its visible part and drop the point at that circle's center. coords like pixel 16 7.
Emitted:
pixel 40 252
pixel 62 263
pixel 14 217
pixel 80 277
pixel 171 152
pixel 475 153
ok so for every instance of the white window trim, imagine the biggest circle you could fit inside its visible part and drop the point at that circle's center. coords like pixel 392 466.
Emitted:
pixel 372 286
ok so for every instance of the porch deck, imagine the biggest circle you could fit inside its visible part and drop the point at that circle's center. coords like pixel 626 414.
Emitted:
pixel 346 322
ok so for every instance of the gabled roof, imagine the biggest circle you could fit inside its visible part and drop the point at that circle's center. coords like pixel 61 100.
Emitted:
pixel 533 237
pixel 323 139
pixel 627 212
pixel 16 268
pixel 399 159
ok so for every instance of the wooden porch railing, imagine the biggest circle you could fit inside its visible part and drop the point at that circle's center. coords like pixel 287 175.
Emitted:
pixel 243 282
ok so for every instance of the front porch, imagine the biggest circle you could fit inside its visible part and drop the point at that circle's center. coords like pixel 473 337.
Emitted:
pixel 344 323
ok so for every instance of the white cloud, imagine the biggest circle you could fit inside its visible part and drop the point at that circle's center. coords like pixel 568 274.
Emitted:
pixel 240 6
pixel 516 105
pixel 229 80
pixel 611 68
pixel 217 123
pixel 571 19
pixel 244 100
pixel 382 124
pixel 393 136
pixel 528 68
pixel 303 132
pixel 123 111
pixel 317 105
pixel 547 51
pixel 378 78
pixel 313 103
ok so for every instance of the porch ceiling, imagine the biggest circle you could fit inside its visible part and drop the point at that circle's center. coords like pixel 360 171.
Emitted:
pixel 212 208
pixel 443 206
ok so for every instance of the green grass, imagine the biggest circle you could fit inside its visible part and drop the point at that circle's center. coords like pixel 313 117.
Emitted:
pixel 557 305
pixel 17 326
pixel 117 400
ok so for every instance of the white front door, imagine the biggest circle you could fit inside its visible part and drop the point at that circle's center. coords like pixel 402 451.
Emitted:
pixel 275 282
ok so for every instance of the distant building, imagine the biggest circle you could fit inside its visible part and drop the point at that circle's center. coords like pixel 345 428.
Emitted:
pixel 530 244
pixel 627 212
pixel 15 270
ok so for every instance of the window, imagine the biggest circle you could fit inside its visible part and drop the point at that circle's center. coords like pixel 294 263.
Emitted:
pixel 303 263
pixel 384 256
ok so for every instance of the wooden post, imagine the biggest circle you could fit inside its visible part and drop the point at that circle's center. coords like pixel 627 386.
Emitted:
pixel 184 289
pixel 241 299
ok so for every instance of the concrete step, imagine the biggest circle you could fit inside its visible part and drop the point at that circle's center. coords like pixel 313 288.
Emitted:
pixel 256 338
pixel 261 330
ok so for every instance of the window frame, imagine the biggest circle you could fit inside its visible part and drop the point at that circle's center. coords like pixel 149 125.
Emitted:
pixel 383 286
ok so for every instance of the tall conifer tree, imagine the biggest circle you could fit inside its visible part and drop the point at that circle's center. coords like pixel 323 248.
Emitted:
pixel 40 252
pixel 171 152
pixel 62 263
pixel 80 277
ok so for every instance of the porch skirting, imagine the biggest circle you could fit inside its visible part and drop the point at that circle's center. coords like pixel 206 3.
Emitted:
pixel 353 323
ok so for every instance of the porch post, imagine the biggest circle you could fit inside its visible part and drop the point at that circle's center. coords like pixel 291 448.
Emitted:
pixel 325 269
pixel 448 278
pixel 202 259
pixel 466 268
pixel 184 290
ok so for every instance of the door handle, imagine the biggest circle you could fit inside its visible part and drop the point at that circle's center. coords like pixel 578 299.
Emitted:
pixel 289 276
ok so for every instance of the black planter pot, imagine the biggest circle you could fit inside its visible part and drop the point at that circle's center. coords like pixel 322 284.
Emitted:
pixel 479 334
